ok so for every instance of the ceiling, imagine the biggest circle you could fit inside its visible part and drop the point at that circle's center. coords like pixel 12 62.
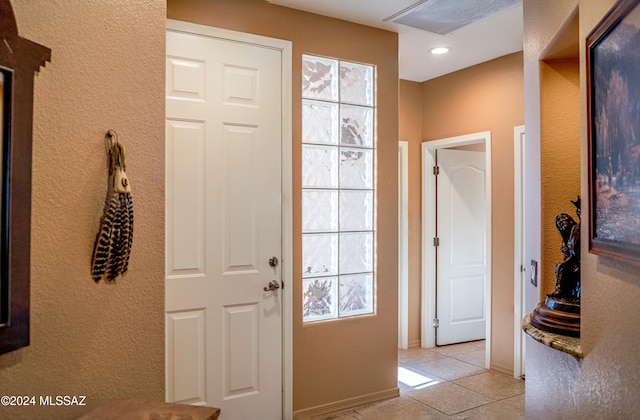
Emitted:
pixel 485 39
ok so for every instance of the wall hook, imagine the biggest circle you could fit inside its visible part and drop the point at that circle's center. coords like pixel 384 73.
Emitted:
pixel 110 139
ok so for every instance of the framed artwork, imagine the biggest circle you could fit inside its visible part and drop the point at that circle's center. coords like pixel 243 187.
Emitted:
pixel 613 94
pixel 20 59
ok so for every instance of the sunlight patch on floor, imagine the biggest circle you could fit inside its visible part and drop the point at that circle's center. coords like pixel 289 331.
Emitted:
pixel 414 379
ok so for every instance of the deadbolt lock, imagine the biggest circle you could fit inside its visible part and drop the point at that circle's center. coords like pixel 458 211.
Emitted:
pixel 273 261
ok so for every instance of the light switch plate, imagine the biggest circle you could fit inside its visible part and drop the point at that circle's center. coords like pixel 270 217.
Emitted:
pixel 534 272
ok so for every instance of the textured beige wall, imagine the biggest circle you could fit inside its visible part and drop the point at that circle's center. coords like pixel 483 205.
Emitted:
pixel 410 130
pixel 605 384
pixel 106 72
pixel 350 358
pixel 559 158
pixel 486 97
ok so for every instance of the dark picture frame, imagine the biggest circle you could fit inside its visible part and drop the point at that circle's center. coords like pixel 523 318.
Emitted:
pixel 20 59
pixel 613 95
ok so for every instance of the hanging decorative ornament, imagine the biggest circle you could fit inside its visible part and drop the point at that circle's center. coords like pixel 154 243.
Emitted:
pixel 113 243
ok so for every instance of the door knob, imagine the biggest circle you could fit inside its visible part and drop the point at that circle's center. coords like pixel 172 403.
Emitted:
pixel 273 285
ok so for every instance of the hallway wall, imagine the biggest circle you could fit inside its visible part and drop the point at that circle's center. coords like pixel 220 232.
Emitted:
pixel 486 97
pixel 410 130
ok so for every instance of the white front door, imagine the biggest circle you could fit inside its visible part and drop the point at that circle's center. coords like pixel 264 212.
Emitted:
pixel 462 250
pixel 223 242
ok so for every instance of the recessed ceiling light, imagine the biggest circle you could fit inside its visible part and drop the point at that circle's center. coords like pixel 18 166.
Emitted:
pixel 439 50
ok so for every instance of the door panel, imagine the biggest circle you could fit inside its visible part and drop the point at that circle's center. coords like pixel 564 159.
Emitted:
pixel 185 331
pixel 224 134
pixel 241 352
pixel 185 220
pixel 462 250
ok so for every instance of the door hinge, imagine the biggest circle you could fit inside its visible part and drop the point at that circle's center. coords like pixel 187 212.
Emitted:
pixel 436 170
pixel 436 241
pixel 436 323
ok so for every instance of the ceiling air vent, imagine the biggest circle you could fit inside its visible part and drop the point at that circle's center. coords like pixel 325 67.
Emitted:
pixel 445 16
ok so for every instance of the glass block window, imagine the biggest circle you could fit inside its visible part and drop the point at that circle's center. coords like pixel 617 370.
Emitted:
pixel 338 157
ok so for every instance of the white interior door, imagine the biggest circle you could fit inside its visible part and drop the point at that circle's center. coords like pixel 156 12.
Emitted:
pixel 224 139
pixel 462 250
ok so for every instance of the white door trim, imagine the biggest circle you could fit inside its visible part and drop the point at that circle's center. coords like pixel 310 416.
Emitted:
pixel 403 245
pixel 286 49
pixel 429 232
pixel 518 248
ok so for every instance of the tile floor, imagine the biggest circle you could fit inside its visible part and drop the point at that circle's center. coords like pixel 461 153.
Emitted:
pixel 446 382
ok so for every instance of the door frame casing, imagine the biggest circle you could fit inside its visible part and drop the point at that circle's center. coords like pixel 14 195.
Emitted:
pixel 403 245
pixel 286 50
pixel 429 149
pixel 519 266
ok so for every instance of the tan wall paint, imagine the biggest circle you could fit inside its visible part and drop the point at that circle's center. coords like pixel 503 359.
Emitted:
pixel 486 97
pixel 559 157
pixel 335 360
pixel 605 383
pixel 99 340
pixel 410 129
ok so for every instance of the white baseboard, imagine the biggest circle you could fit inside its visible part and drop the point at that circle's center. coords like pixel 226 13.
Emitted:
pixel 345 404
